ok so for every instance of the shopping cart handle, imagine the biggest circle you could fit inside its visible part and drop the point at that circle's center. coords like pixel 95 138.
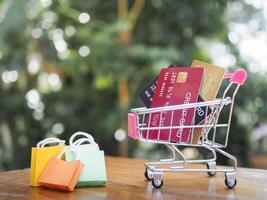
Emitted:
pixel 239 76
pixel 133 132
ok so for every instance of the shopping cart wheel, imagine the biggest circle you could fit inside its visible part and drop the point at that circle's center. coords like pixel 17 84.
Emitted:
pixel 230 183
pixel 157 180
pixel 211 165
pixel 157 183
pixel 230 180
pixel 148 174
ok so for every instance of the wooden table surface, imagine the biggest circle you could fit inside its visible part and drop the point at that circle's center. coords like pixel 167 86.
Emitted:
pixel 126 181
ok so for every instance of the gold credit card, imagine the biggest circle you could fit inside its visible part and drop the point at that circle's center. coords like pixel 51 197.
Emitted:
pixel 211 82
pixel 212 79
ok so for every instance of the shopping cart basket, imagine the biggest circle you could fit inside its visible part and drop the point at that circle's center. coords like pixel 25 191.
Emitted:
pixel 138 128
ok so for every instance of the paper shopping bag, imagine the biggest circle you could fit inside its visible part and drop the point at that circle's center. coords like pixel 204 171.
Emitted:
pixel 40 155
pixel 94 173
pixel 62 175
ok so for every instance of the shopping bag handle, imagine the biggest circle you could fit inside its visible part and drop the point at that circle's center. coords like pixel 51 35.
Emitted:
pixel 86 135
pixel 51 140
pixel 69 148
pixel 83 140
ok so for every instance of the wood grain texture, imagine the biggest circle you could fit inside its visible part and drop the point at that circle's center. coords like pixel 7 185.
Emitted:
pixel 126 181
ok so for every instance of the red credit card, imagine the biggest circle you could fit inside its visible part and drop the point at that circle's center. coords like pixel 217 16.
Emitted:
pixel 175 86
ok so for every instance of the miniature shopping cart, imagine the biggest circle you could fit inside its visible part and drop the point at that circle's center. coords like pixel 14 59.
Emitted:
pixel 138 128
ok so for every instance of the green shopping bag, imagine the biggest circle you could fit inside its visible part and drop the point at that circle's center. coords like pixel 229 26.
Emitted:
pixel 94 172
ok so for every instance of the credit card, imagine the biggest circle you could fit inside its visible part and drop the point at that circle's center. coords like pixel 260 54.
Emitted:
pixel 201 111
pixel 212 79
pixel 174 86
pixel 147 93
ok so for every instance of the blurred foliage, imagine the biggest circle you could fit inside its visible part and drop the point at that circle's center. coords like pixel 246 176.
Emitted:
pixel 47 45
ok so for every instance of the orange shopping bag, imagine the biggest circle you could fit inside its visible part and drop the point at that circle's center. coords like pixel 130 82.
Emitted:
pixel 62 175
pixel 41 154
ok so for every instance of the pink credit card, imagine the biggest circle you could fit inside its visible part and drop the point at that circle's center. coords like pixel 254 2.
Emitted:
pixel 175 86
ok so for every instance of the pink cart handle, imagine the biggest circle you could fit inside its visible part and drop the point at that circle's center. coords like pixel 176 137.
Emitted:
pixel 132 126
pixel 239 76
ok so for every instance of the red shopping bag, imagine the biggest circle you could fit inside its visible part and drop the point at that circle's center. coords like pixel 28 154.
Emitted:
pixel 62 175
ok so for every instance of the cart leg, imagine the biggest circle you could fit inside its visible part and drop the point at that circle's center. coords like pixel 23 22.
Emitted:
pixel 214 156
pixel 148 174
pixel 228 156
pixel 176 152
pixel 173 155
pixel 230 177
pixel 181 155
pixel 210 160
pixel 211 166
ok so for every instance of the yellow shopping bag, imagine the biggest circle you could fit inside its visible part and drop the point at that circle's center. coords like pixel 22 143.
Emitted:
pixel 40 155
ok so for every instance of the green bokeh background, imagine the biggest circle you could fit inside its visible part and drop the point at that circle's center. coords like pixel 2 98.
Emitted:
pixel 95 92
